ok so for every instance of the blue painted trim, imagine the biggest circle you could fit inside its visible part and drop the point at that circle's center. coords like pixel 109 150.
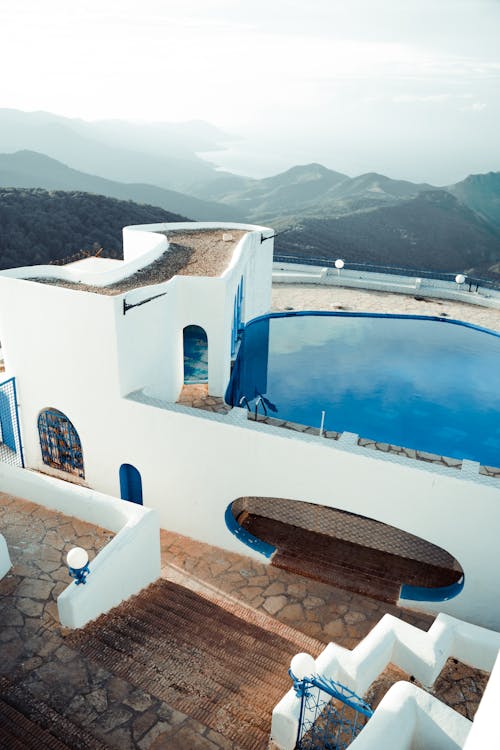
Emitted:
pixel 17 423
pixel 327 313
pixel 244 536
pixel 438 594
pixel 16 411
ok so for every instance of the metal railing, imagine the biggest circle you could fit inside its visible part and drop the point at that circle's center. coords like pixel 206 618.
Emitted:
pixel 470 281
pixel 331 715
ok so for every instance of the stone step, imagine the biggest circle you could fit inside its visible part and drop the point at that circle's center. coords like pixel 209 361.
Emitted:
pixel 344 564
pixel 202 659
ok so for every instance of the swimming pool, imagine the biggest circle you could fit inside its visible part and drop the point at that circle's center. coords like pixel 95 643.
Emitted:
pixel 424 383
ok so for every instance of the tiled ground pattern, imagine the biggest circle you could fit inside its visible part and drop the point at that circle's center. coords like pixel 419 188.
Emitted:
pixel 196 396
pixel 52 682
pixel 70 695
pixel 315 608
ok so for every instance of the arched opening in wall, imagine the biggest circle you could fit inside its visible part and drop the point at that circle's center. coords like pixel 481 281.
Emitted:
pixel 130 484
pixel 195 347
pixel 60 443
pixel 345 550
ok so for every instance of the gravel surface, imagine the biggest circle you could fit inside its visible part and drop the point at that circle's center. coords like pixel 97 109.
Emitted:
pixel 196 253
pixel 317 297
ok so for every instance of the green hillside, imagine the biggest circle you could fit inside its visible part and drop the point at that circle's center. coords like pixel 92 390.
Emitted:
pixel 37 226
pixel 432 231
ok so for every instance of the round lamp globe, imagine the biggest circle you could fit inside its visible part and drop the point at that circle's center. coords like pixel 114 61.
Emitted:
pixel 77 558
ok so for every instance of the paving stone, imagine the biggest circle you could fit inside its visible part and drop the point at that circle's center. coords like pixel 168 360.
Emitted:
pixel 97 699
pixel 354 617
pixel 334 629
pixel 273 604
pixel 143 723
pixel 311 602
pixel 35 589
pixel 138 701
pixel 274 589
pixel 120 738
pixel 29 607
pixel 160 728
pixel 292 613
pixel 113 718
pixel 250 592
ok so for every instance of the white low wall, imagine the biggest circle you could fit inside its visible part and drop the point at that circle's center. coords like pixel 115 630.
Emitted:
pixel 296 273
pixel 485 725
pixel 152 246
pixel 392 641
pixel 408 718
pixel 5 563
pixel 128 563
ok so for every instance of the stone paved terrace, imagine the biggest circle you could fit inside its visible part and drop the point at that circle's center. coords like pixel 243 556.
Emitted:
pixel 332 298
pixel 46 675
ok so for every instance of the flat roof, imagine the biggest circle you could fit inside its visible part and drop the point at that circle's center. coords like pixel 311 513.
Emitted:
pixel 198 252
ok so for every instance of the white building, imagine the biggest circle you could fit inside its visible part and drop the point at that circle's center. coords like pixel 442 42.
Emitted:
pixel 97 352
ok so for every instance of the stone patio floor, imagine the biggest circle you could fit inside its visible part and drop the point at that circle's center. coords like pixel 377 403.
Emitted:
pixel 35 656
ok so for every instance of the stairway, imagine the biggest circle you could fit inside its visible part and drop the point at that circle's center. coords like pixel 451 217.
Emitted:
pixel 343 564
pixel 215 665
pixel 27 723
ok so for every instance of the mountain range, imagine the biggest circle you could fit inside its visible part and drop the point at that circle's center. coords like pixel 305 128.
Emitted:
pixel 327 214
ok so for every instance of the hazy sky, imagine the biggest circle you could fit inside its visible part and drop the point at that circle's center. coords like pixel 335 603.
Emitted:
pixel 410 88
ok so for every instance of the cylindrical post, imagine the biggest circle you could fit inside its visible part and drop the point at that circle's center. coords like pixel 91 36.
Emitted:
pixel 322 426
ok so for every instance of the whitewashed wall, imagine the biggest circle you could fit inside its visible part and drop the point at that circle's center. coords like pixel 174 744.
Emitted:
pixel 128 563
pixel 5 563
pixel 72 351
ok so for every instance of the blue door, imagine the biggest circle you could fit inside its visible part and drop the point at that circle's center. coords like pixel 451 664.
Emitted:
pixel 130 484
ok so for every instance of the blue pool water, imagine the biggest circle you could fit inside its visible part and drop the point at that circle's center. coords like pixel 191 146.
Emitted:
pixel 422 383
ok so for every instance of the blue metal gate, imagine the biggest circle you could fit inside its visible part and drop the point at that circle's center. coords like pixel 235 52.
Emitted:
pixel 11 449
pixel 331 715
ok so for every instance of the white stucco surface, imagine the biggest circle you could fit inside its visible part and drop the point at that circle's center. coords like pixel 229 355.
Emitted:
pixel 5 563
pixel 408 715
pixel 128 563
pixel 95 364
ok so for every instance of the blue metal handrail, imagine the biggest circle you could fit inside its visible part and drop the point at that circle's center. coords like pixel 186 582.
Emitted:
pixel 471 281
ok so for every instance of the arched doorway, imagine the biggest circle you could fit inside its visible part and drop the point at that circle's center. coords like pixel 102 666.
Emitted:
pixel 345 550
pixel 60 443
pixel 195 347
pixel 130 484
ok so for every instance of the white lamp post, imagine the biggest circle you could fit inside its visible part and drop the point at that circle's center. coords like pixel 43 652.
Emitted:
pixel 459 280
pixel 339 265
pixel 302 665
pixel 77 560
